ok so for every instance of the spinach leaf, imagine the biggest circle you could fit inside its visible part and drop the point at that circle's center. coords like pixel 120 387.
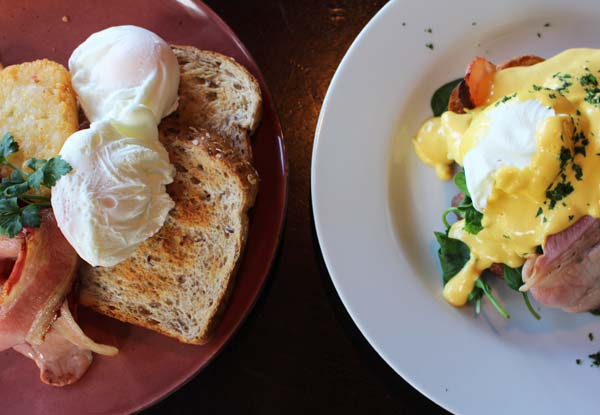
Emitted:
pixel 440 98
pixel 460 180
pixel 472 218
pixel 453 255
pixel 514 279
pixel 465 208
pixel 487 290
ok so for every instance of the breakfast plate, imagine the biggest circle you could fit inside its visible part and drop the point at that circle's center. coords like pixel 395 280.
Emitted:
pixel 148 366
pixel 376 207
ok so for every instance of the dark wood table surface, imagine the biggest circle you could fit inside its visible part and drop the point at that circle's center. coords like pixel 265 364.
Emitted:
pixel 298 352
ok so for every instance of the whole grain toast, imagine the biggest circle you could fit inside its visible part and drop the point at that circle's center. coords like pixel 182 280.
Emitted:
pixel 178 281
pixel 218 94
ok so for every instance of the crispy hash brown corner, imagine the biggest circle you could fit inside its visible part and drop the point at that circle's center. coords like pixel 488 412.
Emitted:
pixel 38 106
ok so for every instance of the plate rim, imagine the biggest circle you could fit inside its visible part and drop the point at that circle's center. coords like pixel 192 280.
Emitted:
pixel 314 201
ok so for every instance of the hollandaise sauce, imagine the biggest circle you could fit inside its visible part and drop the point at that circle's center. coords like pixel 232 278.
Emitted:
pixel 531 157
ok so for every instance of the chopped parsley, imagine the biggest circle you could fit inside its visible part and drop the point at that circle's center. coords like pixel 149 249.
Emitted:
pixel 578 361
pixel 571 217
pixel 588 79
pixel 539 212
pixel 558 192
pixel 429 45
pixel 578 171
pixel 592 96
pixel 429 30
pixel 564 157
pixel 590 84
pixel 505 98
pixel 591 336
pixel 595 359
pixel 565 80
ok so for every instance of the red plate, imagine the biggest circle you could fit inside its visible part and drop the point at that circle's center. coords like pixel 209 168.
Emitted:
pixel 149 365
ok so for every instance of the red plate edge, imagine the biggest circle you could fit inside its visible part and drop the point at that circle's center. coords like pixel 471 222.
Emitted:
pixel 258 266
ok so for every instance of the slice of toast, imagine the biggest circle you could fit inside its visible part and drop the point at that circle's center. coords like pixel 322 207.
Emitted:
pixel 178 281
pixel 220 95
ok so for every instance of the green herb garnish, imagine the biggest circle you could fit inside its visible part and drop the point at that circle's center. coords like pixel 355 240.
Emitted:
pixel 565 80
pixel 514 279
pixel 465 209
pixel 18 208
pixel 504 99
pixel 559 192
pixel 588 79
pixel 453 255
pixel 595 359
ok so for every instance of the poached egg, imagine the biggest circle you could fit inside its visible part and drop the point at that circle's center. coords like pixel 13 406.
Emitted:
pixel 115 197
pixel 126 79
pixel 125 73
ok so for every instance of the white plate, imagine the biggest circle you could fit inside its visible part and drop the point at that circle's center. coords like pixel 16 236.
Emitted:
pixel 376 207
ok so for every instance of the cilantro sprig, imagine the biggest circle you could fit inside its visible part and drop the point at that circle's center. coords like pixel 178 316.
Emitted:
pixel 18 207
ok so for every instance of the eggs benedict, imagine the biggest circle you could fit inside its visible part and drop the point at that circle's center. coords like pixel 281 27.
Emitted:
pixel 527 142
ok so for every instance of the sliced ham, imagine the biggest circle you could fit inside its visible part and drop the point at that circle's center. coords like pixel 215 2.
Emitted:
pixel 567 275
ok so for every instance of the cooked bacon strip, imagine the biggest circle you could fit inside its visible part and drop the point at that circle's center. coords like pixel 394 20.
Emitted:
pixel 66 352
pixel 38 284
pixel 60 361
pixel 9 250
pixel 41 278
pixel 68 328
pixel 567 275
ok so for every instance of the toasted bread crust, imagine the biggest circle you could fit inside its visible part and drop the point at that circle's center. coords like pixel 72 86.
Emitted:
pixel 522 60
pixel 220 95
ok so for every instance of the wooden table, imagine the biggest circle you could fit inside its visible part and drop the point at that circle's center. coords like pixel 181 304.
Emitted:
pixel 298 352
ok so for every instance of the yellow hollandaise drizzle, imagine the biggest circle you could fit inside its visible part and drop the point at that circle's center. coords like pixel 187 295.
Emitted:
pixel 559 185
